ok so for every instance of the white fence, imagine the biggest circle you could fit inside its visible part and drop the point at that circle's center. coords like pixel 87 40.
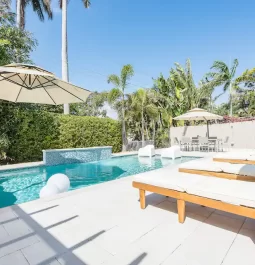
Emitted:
pixel 241 134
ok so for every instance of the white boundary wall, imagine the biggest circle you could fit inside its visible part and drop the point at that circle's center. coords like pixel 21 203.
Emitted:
pixel 241 134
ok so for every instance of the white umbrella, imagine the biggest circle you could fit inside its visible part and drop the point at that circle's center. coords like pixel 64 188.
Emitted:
pixel 32 84
pixel 199 115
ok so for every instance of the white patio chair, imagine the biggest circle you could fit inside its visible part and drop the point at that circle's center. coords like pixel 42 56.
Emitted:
pixel 203 143
pixel 185 144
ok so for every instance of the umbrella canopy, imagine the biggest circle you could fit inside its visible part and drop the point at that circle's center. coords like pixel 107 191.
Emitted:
pixel 32 84
pixel 198 114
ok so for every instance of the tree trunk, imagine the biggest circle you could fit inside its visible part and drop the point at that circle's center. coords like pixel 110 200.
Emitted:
pixel 65 73
pixel 142 129
pixel 154 131
pixel 18 19
pixel 147 131
pixel 124 137
pixel 230 101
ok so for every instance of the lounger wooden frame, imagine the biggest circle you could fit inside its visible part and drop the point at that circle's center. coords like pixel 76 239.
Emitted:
pixel 218 174
pixel 183 197
pixel 234 161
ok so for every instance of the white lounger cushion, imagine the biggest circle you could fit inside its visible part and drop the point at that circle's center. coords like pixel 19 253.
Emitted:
pixel 230 191
pixel 239 169
pixel 234 155
pixel 206 165
pixel 202 164
pixel 251 157
pixel 167 178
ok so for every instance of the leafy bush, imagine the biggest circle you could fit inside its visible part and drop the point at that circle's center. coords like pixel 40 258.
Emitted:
pixel 39 130
pixel 79 131
pixel 162 138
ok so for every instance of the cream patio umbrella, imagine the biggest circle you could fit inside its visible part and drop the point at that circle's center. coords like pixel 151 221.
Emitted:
pixel 198 114
pixel 32 84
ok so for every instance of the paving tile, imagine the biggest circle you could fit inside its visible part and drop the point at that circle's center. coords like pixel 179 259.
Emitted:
pixel 249 224
pixel 17 227
pixel 166 237
pixel 242 250
pixel 6 214
pixel 198 209
pixel 16 258
pixel 209 243
pixel 3 232
pixel 132 256
pixel 231 215
pixel 88 253
pixel 10 244
pixel 43 252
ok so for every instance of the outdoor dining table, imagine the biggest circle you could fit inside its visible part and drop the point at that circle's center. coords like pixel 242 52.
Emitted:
pixel 213 141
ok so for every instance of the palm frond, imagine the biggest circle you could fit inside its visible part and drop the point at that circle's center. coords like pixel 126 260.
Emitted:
pixel 114 79
pixel 47 8
pixel 127 72
pixel 220 67
pixel 113 95
pixel 233 68
pixel 86 3
pixel 36 5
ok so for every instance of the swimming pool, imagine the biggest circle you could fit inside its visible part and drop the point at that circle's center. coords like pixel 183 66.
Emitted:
pixel 23 185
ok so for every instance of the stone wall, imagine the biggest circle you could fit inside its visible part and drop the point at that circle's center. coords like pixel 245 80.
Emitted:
pixel 76 155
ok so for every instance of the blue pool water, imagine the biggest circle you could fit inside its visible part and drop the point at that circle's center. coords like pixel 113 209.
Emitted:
pixel 23 185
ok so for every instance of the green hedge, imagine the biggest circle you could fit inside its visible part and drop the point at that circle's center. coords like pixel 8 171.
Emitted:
pixel 35 131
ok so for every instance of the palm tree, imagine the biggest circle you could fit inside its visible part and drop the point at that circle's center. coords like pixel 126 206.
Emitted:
pixel 65 71
pixel 6 16
pixel 142 102
pixel 39 6
pixel 223 76
pixel 116 96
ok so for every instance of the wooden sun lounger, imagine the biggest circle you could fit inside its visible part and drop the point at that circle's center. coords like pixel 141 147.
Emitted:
pixel 235 161
pixel 183 197
pixel 218 174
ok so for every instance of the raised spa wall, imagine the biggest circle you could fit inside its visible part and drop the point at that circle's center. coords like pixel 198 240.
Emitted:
pixel 76 155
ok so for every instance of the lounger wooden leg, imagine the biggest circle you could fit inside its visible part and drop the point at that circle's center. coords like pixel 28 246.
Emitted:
pixel 142 198
pixel 181 210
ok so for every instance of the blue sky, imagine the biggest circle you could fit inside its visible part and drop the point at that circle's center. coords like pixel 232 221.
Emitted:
pixel 150 35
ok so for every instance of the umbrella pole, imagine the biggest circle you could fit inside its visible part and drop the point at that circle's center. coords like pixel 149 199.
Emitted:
pixel 207 129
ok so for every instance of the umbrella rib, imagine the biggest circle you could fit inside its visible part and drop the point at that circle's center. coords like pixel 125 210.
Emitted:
pixel 46 91
pixel 67 91
pixel 21 88
pixel 50 96
pixel 11 81
pixel 34 80
pixel 18 94
pixel 48 81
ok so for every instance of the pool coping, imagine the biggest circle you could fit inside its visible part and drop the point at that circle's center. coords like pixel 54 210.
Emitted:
pixel 13 167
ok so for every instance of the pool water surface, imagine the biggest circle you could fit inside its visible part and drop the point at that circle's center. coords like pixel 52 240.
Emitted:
pixel 23 185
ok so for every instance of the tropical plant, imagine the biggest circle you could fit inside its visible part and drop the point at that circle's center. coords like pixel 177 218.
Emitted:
pixel 65 70
pixel 6 16
pixel 224 76
pixel 116 96
pixel 40 7
pixel 143 111
pixel 93 106
pixel 15 43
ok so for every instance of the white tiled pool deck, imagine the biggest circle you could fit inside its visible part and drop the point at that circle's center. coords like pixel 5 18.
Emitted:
pixel 103 224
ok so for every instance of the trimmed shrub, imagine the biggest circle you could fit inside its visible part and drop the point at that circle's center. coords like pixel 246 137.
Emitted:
pixel 38 130
pixel 80 131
